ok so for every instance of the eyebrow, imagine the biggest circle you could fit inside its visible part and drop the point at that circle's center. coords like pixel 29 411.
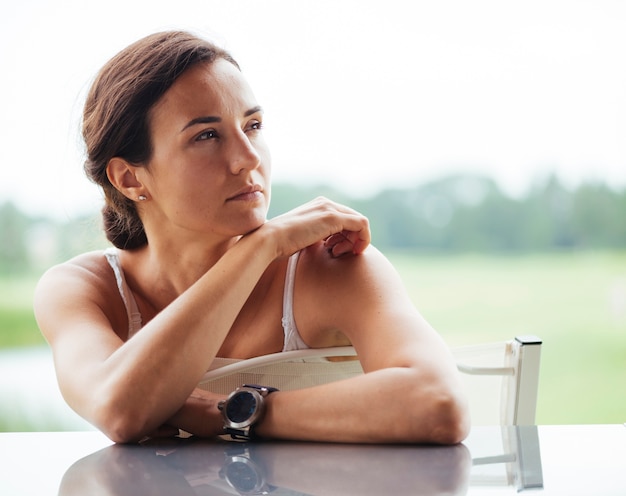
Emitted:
pixel 208 119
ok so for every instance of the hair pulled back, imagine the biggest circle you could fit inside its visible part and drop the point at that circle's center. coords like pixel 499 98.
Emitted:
pixel 116 117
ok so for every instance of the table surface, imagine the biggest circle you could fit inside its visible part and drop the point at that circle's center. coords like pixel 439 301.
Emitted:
pixel 571 460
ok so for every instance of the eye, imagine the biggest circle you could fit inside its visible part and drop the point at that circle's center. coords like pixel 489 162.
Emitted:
pixel 255 126
pixel 207 135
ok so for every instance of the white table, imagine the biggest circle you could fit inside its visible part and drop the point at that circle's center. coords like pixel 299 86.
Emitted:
pixel 568 460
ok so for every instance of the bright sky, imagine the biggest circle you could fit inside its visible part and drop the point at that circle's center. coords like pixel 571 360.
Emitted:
pixel 361 94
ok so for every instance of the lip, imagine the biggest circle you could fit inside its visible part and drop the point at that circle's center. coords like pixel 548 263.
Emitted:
pixel 251 192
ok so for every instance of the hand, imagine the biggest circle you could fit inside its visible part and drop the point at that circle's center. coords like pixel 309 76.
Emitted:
pixel 345 242
pixel 343 230
pixel 199 416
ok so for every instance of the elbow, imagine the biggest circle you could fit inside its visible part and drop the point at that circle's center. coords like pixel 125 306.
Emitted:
pixel 121 424
pixel 126 415
pixel 449 419
pixel 441 416
pixel 122 432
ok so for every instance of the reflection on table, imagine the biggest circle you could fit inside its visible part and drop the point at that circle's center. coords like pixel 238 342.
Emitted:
pixel 193 466
pixel 511 456
pixel 189 466
pixel 547 460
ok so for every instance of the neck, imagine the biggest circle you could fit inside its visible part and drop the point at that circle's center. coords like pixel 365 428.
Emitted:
pixel 161 271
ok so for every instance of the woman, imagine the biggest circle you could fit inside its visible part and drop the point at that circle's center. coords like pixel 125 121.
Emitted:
pixel 174 137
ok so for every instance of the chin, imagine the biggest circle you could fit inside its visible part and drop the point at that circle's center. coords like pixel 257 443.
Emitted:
pixel 252 226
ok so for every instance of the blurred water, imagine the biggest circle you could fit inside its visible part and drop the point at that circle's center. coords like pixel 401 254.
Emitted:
pixel 30 399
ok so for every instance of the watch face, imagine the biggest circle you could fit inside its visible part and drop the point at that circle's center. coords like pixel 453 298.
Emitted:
pixel 241 406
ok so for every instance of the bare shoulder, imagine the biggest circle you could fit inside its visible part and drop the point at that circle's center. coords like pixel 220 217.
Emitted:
pixel 364 274
pixel 70 290
pixel 84 270
pixel 345 295
pixel 363 298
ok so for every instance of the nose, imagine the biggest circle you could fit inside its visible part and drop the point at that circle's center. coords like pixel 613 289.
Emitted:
pixel 242 154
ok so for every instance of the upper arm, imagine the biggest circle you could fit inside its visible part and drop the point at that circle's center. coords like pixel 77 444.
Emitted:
pixel 364 298
pixel 405 361
pixel 70 308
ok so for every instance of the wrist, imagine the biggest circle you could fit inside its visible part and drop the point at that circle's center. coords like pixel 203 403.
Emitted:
pixel 264 243
pixel 268 236
pixel 261 430
pixel 214 421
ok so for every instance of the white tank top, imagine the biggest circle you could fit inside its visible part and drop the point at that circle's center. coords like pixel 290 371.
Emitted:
pixel 292 339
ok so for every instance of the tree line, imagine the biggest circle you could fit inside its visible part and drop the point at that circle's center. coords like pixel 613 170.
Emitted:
pixel 463 213
pixel 468 213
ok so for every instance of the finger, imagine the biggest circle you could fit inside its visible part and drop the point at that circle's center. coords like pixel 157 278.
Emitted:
pixel 357 240
pixel 342 248
pixel 333 239
pixel 360 246
pixel 344 244
pixel 336 239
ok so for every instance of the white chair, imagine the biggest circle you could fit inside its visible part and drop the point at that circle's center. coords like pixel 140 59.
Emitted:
pixel 501 378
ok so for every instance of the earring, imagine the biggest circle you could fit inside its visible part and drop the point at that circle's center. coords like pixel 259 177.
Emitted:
pixel 142 197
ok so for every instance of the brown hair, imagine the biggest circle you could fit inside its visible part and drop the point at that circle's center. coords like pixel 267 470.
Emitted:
pixel 115 117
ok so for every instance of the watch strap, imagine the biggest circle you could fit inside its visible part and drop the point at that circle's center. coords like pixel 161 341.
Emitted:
pixel 264 390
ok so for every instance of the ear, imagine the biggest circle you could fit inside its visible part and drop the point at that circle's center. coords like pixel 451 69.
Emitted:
pixel 123 177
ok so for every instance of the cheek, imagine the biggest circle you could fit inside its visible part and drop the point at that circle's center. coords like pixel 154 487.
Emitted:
pixel 189 191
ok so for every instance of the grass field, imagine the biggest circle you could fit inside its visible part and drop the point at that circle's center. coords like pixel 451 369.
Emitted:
pixel 575 302
pixel 17 322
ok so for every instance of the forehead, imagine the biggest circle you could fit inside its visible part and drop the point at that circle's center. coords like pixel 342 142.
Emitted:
pixel 216 88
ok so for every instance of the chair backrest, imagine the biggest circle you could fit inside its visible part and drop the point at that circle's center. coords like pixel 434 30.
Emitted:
pixel 286 370
pixel 501 378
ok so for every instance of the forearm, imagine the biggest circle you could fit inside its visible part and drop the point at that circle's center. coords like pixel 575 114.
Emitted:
pixel 391 405
pixel 207 310
pixel 150 377
pixel 127 389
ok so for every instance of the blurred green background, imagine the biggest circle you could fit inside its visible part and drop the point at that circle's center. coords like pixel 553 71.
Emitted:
pixel 480 269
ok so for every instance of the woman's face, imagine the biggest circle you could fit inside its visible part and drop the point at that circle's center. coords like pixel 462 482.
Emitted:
pixel 210 167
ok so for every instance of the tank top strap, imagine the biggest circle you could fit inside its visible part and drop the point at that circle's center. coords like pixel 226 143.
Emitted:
pixel 293 340
pixel 132 311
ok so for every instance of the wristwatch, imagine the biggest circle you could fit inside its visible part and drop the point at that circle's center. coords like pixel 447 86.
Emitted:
pixel 243 408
